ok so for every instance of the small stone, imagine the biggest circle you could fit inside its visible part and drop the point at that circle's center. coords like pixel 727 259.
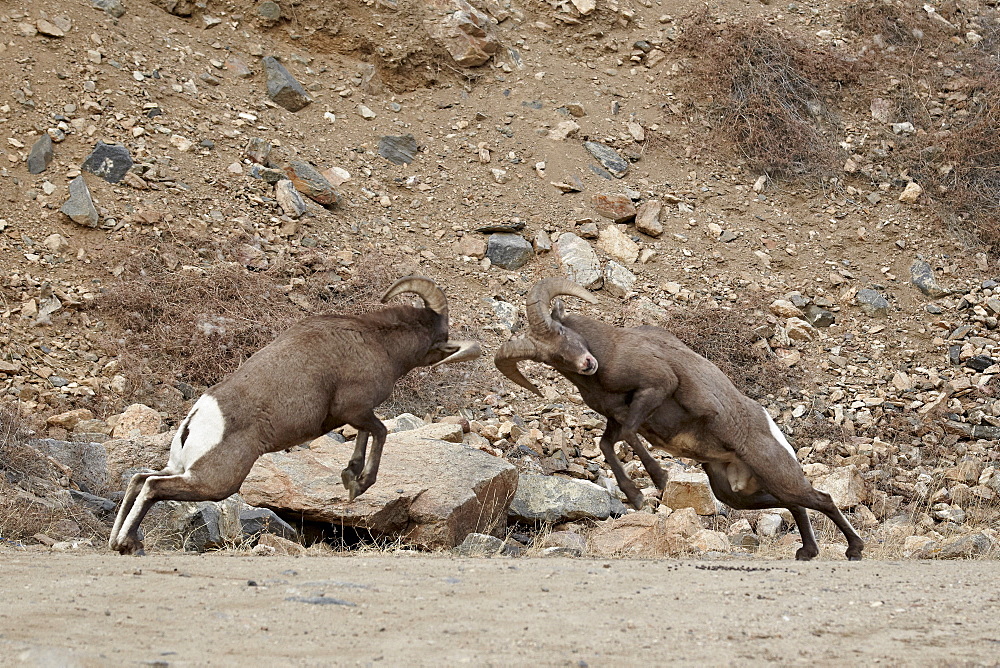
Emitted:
pixel 471 246
pixel 508 251
pixel 137 419
pixel 109 161
pixel 872 303
pixel 647 218
pixel 69 419
pixel 922 276
pixel 80 205
pixel 576 110
pixel 56 243
pixel 784 308
pixel 269 11
pixel 542 243
pixel 608 157
pixel 283 88
pixel 257 150
pixel 585 7
pixel 845 485
pixel 911 193
pixel 399 150
pixel 768 525
pixel 563 130
pixel 311 183
pixel 291 202
pixel 618 208
pixel 238 68
pixel 41 155
pixel 365 112
pixel 818 317
pixel 618 245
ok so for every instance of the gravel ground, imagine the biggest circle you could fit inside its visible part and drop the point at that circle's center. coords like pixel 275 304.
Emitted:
pixel 417 610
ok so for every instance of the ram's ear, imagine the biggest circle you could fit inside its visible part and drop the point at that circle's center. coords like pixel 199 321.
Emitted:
pixel 558 310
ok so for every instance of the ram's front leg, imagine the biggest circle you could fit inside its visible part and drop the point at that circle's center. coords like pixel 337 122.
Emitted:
pixel 612 434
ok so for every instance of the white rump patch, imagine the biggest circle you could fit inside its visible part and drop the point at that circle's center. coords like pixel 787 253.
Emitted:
pixel 778 436
pixel 204 426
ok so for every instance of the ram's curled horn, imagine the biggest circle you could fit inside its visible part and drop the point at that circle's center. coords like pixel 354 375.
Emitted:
pixel 512 352
pixel 425 288
pixel 540 297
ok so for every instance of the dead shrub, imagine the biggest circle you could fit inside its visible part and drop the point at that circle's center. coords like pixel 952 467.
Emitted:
pixel 895 25
pixel 766 89
pixel 728 337
pixel 961 166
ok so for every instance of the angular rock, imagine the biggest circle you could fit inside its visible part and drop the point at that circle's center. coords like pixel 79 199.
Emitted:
pixel 509 251
pixel 137 420
pixel 69 419
pixel 480 545
pixel 103 508
pixel 618 280
pixel 87 461
pixel 109 161
pixel 465 32
pixel 618 208
pixel 579 261
pixel 275 544
pixel 257 150
pixel 608 157
pixel 283 88
pixel 269 10
pixel 872 303
pixel 49 29
pixel 769 524
pixel 291 202
pixel 845 485
pixel 311 183
pixel 429 492
pixel 689 489
pixel 549 499
pixel 542 242
pixel 114 8
pixel 256 521
pixel 922 276
pixel 634 535
pixel 818 317
pixel 41 155
pixel 618 245
pixel 80 206
pixel 911 193
pixel 956 547
pixel 708 540
pixel 198 526
pixel 399 150
pixel 647 218
pixel 471 246
pixel 563 130
pixel 126 455
pixel 177 7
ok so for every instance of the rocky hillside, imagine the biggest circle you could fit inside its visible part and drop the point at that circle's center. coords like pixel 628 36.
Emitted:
pixel 802 192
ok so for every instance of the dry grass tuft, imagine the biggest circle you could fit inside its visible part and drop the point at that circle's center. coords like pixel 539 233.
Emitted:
pixel 767 93
pixel 728 337
pixel 886 19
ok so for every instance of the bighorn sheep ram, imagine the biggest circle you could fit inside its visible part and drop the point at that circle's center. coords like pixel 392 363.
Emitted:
pixel 645 381
pixel 322 373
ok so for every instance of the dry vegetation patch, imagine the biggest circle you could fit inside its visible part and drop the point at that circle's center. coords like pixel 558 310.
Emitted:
pixel 767 92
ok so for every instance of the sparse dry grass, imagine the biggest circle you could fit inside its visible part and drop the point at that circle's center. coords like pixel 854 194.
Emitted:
pixel 767 92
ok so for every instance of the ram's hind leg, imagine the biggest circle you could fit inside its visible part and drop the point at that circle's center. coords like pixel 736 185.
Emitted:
pixel 718 478
pixel 612 432
pixel 362 470
pixel 653 468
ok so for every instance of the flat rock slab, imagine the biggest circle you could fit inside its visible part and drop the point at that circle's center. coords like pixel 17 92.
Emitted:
pixel 608 157
pixel 109 161
pixel 399 150
pixel 430 492
pixel 283 88
pixel 579 260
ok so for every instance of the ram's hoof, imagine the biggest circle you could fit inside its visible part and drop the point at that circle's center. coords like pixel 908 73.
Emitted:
pixel 350 481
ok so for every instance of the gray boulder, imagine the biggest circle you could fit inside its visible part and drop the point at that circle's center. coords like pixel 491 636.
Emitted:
pixel 88 461
pixel 509 251
pixel 109 161
pixel 429 492
pixel 283 88
pixel 549 499
pixel 579 261
pixel 41 155
pixel 80 205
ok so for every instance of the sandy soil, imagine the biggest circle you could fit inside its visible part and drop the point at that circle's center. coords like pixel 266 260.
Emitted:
pixel 179 609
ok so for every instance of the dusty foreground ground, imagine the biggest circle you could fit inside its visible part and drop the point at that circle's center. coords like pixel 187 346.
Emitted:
pixel 63 610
